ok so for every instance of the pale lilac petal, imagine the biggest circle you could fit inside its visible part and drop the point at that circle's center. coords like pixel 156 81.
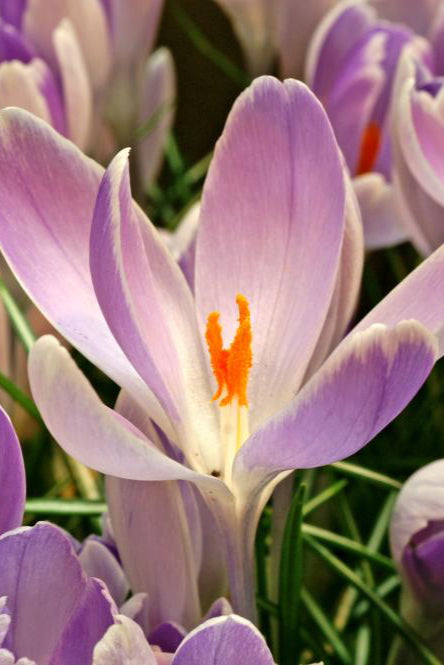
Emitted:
pixel 158 100
pixel 420 501
pixel 48 199
pixel 20 86
pixel 254 22
pixel 47 595
pixel 153 539
pixel 436 35
pixel 40 18
pixel 90 431
pixel 134 26
pixel 380 215
pixel 91 26
pixel 141 290
pixel 297 22
pixel 12 476
pixel 348 283
pixel 75 82
pixel 136 608
pixel 364 384
pixel 417 297
pixel 98 561
pixel 262 227
pixel 123 644
pixel 224 640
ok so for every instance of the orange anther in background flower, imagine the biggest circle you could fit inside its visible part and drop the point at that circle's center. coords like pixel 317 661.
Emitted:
pixel 370 144
pixel 231 366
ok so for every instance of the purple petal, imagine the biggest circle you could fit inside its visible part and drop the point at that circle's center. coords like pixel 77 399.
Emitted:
pixel 364 384
pixel 50 600
pixel 12 477
pixel 11 11
pixel 158 99
pixel 167 636
pixel 224 640
pixel 123 644
pixel 182 242
pixel 13 45
pixel 48 200
pixel 335 36
pixel 98 561
pixel 263 224
pixel 423 566
pixel 142 291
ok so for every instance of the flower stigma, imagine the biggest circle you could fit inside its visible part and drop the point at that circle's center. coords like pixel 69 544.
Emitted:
pixel 231 369
pixel 370 144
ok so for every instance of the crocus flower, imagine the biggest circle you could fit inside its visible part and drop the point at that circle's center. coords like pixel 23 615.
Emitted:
pixel 351 66
pixel 281 29
pixel 417 544
pixel 83 66
pixel 50 611
pixel 234 418
pixel 217 641
pixel 418 136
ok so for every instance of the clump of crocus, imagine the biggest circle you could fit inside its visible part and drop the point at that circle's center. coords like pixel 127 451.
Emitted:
pixel 417 544
pixel 85 67
pixel 244 380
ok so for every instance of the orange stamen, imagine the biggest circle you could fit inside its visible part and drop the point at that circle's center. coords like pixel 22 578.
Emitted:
pixel 370 144
pixel 231 366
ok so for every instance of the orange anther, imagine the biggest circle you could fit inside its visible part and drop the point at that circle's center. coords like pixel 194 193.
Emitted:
pixel 370 144
pixel 231 366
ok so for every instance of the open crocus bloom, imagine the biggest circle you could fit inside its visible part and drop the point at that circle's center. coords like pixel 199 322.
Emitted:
pixel 218 641
pixel 241 393
pixel 417 544
pixel 50 611
pixel 351 67
pixel 83 66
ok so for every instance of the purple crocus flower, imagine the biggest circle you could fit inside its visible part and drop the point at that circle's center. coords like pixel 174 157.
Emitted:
pixel 84 67
pixel 418 137
pixel 50 611
pixel 279 235
pixel 417 544
pixel 218 641
pixel 12 477
pixel 351 66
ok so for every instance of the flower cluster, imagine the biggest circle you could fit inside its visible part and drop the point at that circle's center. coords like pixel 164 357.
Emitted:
pixel 236 347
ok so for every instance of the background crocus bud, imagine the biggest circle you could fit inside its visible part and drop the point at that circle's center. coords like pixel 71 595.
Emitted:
pixel 417 544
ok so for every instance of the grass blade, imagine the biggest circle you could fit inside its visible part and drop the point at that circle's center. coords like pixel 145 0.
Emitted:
pixel 290 582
